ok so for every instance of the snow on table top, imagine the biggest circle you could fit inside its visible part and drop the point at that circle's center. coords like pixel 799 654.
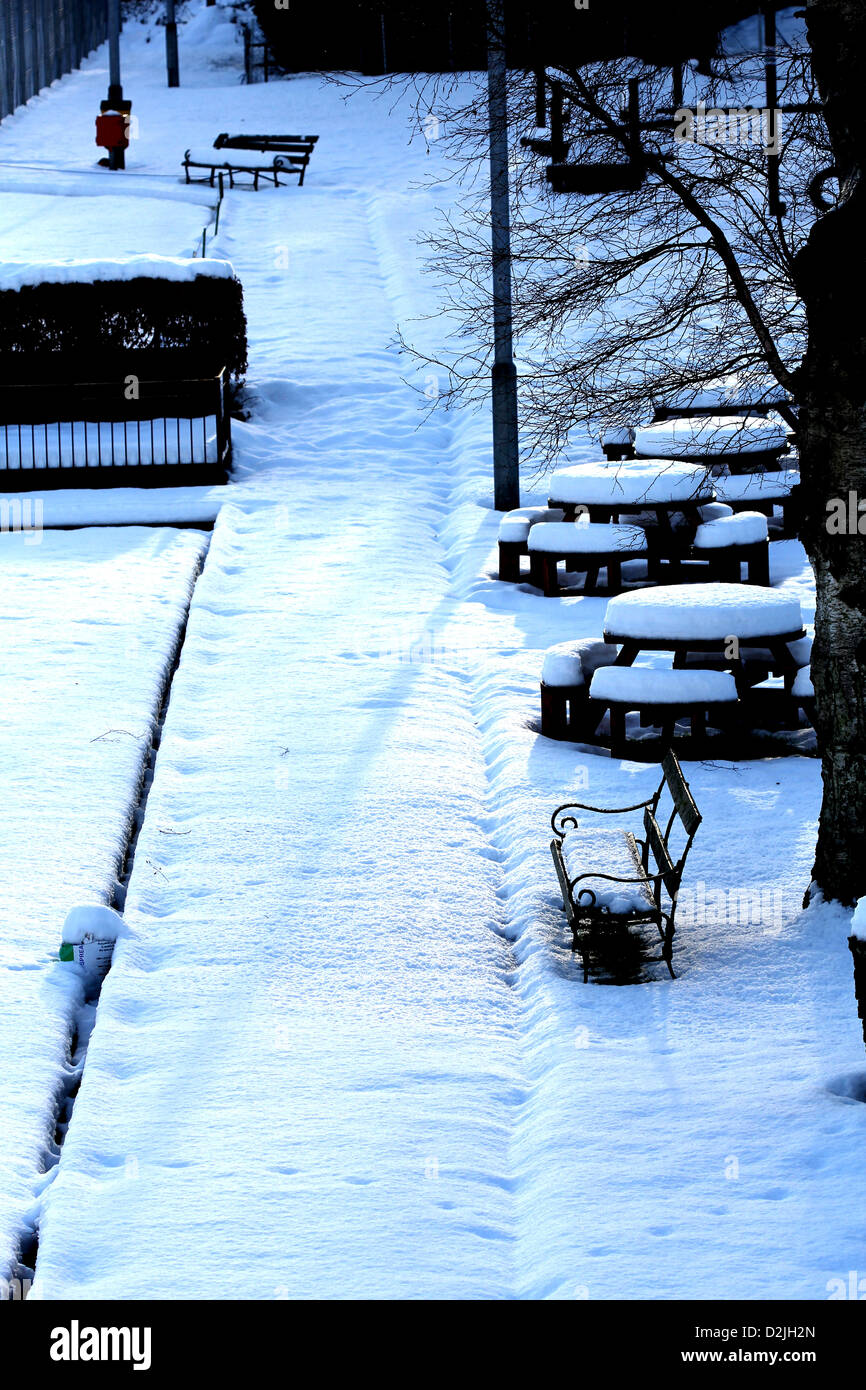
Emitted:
pixel 755 487
pixel 743 528
pixel 586 538
pixel 659 687
pixel 630 483
pixel 15 275
pixel 709 612
pixel 710 435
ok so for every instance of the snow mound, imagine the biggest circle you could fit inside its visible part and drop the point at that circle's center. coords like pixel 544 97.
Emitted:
pixel 15 275
pixel 803 687
pixel 709 435
pixel 645 686
pixel 649 480
pixel 709 612
pixel 801 650
pixel 746 528
pixel 588 538
pixel 858 921
pixel 92 919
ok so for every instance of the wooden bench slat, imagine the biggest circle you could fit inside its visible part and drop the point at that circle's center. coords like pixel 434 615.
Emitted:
pixel 680 794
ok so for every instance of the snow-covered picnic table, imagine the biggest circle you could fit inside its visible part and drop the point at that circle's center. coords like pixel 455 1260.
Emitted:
pixel 607 490
pixel 705 618
pixel 730 439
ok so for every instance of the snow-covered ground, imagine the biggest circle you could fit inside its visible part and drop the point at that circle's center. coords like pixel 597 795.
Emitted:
pixel 345 1049
pixel 89 620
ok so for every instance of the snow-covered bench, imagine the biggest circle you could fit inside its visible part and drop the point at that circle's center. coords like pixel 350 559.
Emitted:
pixel 760 492
pixel 565 675
pixel 661 697
pixel 514 531
pixel 269 163
pixel 722 540
pixel 617 445
pixel 585 547
pixel 298 147
pixel 613 880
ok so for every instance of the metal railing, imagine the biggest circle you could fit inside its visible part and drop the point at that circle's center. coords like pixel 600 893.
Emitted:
pixel 41 40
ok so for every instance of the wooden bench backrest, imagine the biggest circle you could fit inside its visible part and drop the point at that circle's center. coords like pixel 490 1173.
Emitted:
pixel 658 841
pixel 669 871
pixel 680 794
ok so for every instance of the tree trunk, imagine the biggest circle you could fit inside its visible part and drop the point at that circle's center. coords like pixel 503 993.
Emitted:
pixel 832 433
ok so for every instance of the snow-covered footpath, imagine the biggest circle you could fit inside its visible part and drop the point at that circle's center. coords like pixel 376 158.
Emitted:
pixel 344 1050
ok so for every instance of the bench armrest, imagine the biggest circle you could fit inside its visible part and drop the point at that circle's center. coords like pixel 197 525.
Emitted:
pixel 562 820
pixel 610 878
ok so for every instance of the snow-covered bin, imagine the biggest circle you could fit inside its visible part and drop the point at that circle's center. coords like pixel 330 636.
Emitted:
pixel 586 538
pixel 89 935
pixel 641 685
pixel 702 612
pixel 744 528
pixel 709 436
pixel 515 526
pixel 573 663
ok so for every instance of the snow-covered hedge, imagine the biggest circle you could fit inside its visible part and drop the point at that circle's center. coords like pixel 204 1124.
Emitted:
pixel 154 315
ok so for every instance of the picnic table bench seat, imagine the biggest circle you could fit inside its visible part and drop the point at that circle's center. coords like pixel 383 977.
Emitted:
pixel 584 547
pixel 612 881
pixel 565 675
pixel 514 531
pixel 661 698
pixel 722 543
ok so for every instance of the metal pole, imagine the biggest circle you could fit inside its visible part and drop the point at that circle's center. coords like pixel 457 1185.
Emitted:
pixel 506 474
pixel 115 90
pixel 171 59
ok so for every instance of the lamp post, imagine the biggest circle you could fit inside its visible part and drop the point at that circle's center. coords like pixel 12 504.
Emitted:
pixel 115 100
pixel 171 59
pixel 506 474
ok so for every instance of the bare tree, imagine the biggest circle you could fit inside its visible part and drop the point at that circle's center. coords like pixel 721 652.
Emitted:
pixel 696 275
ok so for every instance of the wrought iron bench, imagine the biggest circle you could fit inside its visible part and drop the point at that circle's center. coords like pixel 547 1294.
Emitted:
pixel 257 155
pixel 639 879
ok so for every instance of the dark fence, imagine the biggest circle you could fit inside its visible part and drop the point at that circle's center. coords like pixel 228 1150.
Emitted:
pixel 42 39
